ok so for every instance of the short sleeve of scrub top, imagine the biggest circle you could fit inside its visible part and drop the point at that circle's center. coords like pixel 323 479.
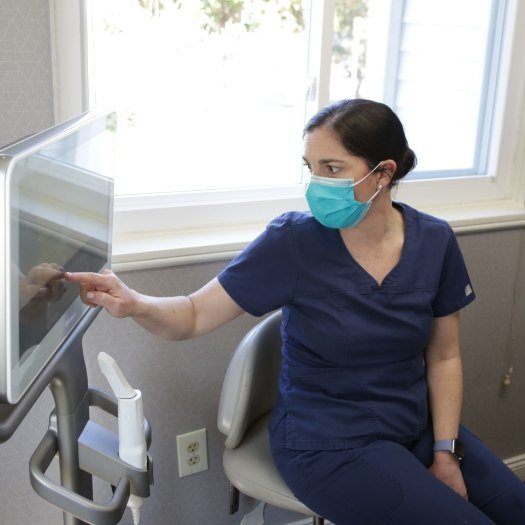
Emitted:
pixel 455 290
pixel 262 277
pixel 353 367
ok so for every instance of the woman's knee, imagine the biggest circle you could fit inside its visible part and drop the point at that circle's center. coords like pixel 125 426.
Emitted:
pixel 507 507
pixel 484 473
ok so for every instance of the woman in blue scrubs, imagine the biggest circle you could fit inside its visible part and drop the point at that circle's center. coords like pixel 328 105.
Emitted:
pixel 370 385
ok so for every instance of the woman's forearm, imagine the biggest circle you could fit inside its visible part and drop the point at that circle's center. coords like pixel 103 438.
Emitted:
pixel 445 384
pixel 170 318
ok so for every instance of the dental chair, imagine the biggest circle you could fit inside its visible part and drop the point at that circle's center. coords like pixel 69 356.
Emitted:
pixel 248 395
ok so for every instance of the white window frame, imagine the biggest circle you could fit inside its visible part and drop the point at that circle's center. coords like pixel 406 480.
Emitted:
pixel 165 229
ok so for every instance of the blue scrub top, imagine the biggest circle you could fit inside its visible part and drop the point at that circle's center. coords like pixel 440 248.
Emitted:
pixel 353 366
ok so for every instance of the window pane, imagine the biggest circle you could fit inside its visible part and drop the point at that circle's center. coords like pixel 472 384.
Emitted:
pixel 211 94
pixel 432 71
pixel 440 80
pixel 349 49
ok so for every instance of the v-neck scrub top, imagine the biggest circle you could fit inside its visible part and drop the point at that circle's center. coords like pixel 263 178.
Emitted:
pixel 353 367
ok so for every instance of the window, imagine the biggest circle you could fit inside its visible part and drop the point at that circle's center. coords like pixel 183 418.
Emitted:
pixel 213 96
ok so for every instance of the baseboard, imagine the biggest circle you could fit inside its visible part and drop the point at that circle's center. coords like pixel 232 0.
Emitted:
pixel 517 465
pixel 308 521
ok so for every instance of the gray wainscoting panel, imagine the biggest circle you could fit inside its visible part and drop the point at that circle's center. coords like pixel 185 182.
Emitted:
pixel 26 75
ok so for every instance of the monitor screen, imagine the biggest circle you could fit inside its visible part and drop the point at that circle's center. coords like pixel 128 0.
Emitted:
pixel 58 217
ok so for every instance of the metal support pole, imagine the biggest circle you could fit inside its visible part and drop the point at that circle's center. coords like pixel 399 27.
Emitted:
pixel 69 387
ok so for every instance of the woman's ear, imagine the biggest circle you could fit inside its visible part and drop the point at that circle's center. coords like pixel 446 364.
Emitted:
pixel 388 167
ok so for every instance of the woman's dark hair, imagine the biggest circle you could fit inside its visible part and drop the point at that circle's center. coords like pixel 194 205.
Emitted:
pixel 367 129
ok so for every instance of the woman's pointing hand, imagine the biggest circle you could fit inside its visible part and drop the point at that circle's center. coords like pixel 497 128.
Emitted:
pixel 107 290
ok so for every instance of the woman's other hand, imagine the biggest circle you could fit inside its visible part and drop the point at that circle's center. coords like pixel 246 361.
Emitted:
pixel 107 290
pixel 449 472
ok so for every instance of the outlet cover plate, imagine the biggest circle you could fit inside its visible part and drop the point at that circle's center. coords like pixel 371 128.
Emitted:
pixel 192 452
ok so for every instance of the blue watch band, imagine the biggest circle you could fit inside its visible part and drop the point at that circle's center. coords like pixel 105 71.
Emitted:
pixel 454 446
pixel 443 444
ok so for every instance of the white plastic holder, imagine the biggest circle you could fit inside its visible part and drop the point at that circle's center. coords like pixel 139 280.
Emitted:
pixel 132 438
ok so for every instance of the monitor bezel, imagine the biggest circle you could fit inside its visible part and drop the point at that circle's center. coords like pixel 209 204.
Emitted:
pixel 9 156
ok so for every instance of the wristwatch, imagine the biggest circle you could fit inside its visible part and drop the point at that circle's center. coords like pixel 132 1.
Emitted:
pixel 454 446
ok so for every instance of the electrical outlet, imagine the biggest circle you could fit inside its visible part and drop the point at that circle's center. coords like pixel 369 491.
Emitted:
pixel 192 452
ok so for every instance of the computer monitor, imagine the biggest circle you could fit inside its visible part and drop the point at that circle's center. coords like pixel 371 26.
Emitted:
pixel 56 211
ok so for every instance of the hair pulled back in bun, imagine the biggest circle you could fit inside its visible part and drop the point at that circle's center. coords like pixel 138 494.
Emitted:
pixel 370 130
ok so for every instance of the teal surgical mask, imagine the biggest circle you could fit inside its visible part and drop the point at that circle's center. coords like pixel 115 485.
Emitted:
pixel 332 201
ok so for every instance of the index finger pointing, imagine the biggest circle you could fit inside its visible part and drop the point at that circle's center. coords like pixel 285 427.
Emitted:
pixel 88 278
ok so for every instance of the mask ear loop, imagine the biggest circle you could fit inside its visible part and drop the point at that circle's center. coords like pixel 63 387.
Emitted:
pixel 369 173
pixel 380 188
pixel 379 185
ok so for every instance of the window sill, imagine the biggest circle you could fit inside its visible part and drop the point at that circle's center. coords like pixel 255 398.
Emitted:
pixel 153 250
pixel 142 251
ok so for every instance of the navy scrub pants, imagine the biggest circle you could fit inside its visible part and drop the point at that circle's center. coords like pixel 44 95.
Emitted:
pixel 388 483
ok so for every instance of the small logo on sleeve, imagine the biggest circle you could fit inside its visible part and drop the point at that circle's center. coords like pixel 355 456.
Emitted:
pixel 468 289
